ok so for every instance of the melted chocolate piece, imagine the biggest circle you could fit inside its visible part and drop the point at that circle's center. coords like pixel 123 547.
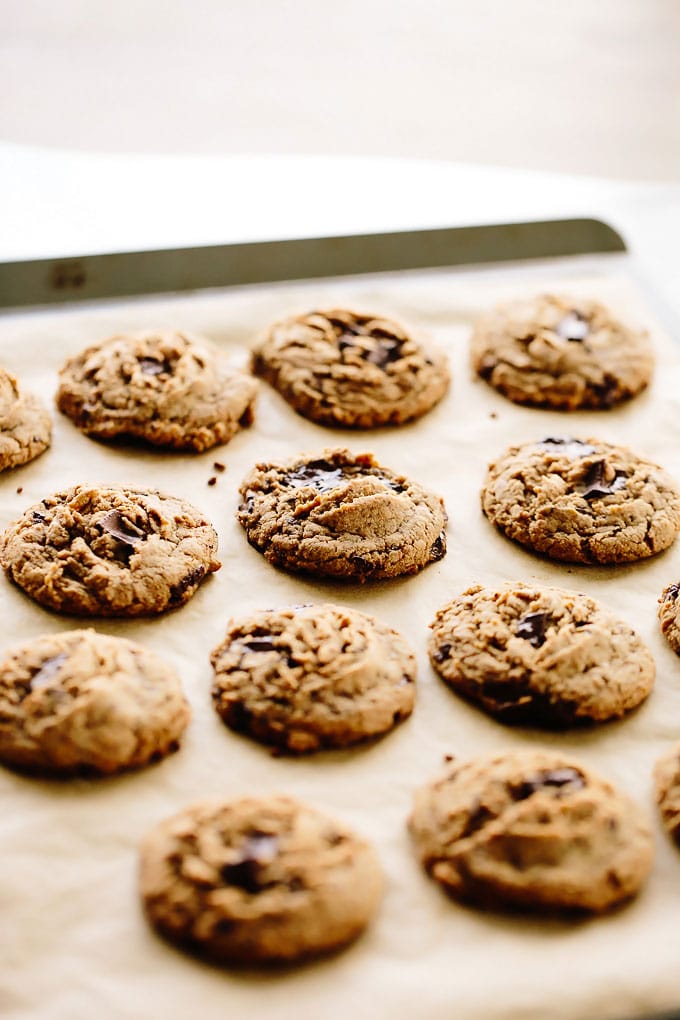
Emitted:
pixel 260 644
pixel 555 778
pixel 325 477
pixel 116 525
pixel 386 347
pixel 194 577
pixel 442 653
pixel 573 326
pixel 258 849
pixel 671 592
pixel 570 447
pixel 47 671
pixel 152 366
pixel 532 628
pixel 594 480
pixel 38 518
pixel 438 549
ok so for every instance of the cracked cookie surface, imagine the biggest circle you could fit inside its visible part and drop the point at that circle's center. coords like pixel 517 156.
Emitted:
pixel 341 515
pixel 342 368
pixel 25 425
pixel 540 656
pixel 582 501
pixel 531 829
pixel 561 353
pixel 107 550
pixel 79 700
pixel 667 789
pixel 257 880
pixel 165 388
pixel 310 677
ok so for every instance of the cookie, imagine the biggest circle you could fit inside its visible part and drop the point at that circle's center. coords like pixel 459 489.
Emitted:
pixel 540 656
pixel 669 615
pixel 561 353
pixel 25 425
pixel 340 514
pixel 310 677
pixel 84 701
pixel 532 830
pixel 582 501
pixel 106 550
pixel 165 388
pixel 342 368
pixel 667 788
pixel 258 880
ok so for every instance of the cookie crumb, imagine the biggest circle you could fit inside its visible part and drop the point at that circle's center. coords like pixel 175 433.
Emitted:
pixel 493 414
pixel 20 489
pixel 212 480
pixel 449 757
pixel 218 466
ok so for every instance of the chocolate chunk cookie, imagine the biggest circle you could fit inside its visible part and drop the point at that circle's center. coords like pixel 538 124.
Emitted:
pixel 165 388
pixel 340 514
pixel 341 368
pixel 531 829
pixel 540 656
pixel 669 615
pixel 309 677
pixel 258 880
pixel 110 551
pixel 582 501
pixel 25 426
pixel 85 701
pixel 667 786
pixel 562 353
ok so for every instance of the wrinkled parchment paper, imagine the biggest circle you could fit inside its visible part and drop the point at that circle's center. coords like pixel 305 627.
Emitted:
pixel 73 942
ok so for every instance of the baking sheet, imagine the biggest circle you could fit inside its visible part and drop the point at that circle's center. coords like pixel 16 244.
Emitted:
pixel 73 941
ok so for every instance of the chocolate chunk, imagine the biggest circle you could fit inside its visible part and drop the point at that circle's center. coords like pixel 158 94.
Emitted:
pixel 212 480
pixel 260 644
pixel 152 366
pixel 573 326
pixel 38 518
pixel 259 849
pixel 119 527
pixel 478 817
pixel 219 466
pixel 595 484
pixel 194 577
pixel 323 475
pixel 384 352
pixel 671 592
pixel 442 653
pixel 568 446
pixel 438 549
pixel 550 778
pixel 47 671
pixel 532 628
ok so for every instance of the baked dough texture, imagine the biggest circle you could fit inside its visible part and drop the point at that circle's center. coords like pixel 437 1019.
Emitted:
pixel 667 788
pixel 531 830
pixel 25 425
pixel 340 514
pixel 258 880
pixel 106 550
pixel 166 388
pixel 561 353
pixel 540 656
pixel 309 677
pixel 81 701
pixel 344 368
pixel 582 501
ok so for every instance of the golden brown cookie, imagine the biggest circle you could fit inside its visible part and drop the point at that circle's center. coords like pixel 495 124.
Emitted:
pixel 310 677
pixel 258 880
pixel 562 353
pixel 343 368
pixel 80 701
pixel 583 501
pixel 25 425
pixel 166 388
pixel 531 829
pixel 540 656
pixel 340 514
pixel 106 550
pixel 667 788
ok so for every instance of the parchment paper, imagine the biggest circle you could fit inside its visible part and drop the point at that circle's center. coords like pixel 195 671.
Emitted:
pixel 74 943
